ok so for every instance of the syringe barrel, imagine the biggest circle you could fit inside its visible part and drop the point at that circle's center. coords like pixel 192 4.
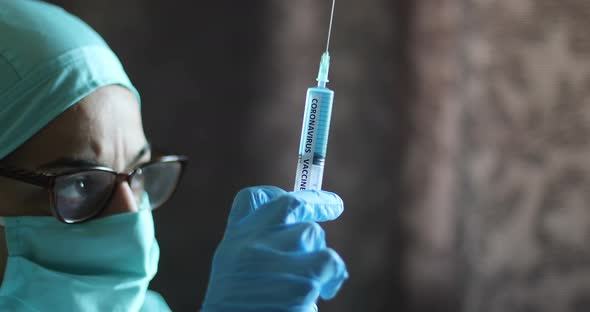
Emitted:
pixel 314 139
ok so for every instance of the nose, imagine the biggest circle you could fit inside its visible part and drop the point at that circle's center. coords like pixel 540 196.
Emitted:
pixel 123 200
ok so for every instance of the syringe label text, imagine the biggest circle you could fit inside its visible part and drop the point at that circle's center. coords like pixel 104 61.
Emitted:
pixel 309 143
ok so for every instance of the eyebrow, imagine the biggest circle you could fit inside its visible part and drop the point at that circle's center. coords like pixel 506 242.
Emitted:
pixel 66 162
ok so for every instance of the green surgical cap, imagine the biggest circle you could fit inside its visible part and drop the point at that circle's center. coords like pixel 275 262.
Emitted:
pixel 49 60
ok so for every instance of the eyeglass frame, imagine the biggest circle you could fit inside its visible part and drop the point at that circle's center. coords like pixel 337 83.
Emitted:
pixel 47 180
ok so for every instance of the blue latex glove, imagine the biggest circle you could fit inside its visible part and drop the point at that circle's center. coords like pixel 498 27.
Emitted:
pixel 273 256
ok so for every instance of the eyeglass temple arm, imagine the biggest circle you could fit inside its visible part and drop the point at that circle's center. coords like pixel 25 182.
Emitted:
pixel 31 177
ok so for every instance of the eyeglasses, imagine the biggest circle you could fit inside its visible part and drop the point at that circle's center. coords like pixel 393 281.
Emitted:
pixel 78 195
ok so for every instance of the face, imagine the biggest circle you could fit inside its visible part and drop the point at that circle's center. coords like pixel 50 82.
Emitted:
pixel 103 129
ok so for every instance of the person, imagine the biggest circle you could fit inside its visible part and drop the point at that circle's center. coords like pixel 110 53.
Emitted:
pixel 79 181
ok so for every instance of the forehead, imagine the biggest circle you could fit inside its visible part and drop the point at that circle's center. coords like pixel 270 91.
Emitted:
pixel 105 127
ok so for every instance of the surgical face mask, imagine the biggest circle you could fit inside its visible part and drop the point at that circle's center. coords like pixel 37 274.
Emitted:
pixel 101 265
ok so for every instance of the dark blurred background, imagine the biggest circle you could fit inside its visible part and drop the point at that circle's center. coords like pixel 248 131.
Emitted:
pixel 460 139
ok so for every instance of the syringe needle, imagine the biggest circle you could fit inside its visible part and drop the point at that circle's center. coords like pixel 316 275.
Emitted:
pixel 330 29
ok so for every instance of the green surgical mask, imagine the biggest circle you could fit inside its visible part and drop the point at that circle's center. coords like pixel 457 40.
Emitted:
pixel 101 265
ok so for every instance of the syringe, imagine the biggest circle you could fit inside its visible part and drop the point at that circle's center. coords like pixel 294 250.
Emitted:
pixel 316 126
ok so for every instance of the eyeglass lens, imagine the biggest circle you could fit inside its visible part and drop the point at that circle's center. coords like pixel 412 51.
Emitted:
pixel 82 195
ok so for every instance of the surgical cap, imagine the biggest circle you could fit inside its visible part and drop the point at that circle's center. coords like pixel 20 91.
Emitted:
pixel 49 60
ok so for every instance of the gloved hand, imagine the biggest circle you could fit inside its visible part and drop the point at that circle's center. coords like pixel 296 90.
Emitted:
pixel 273 256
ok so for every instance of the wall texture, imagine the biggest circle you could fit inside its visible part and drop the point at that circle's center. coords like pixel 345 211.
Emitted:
pixel 498 164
